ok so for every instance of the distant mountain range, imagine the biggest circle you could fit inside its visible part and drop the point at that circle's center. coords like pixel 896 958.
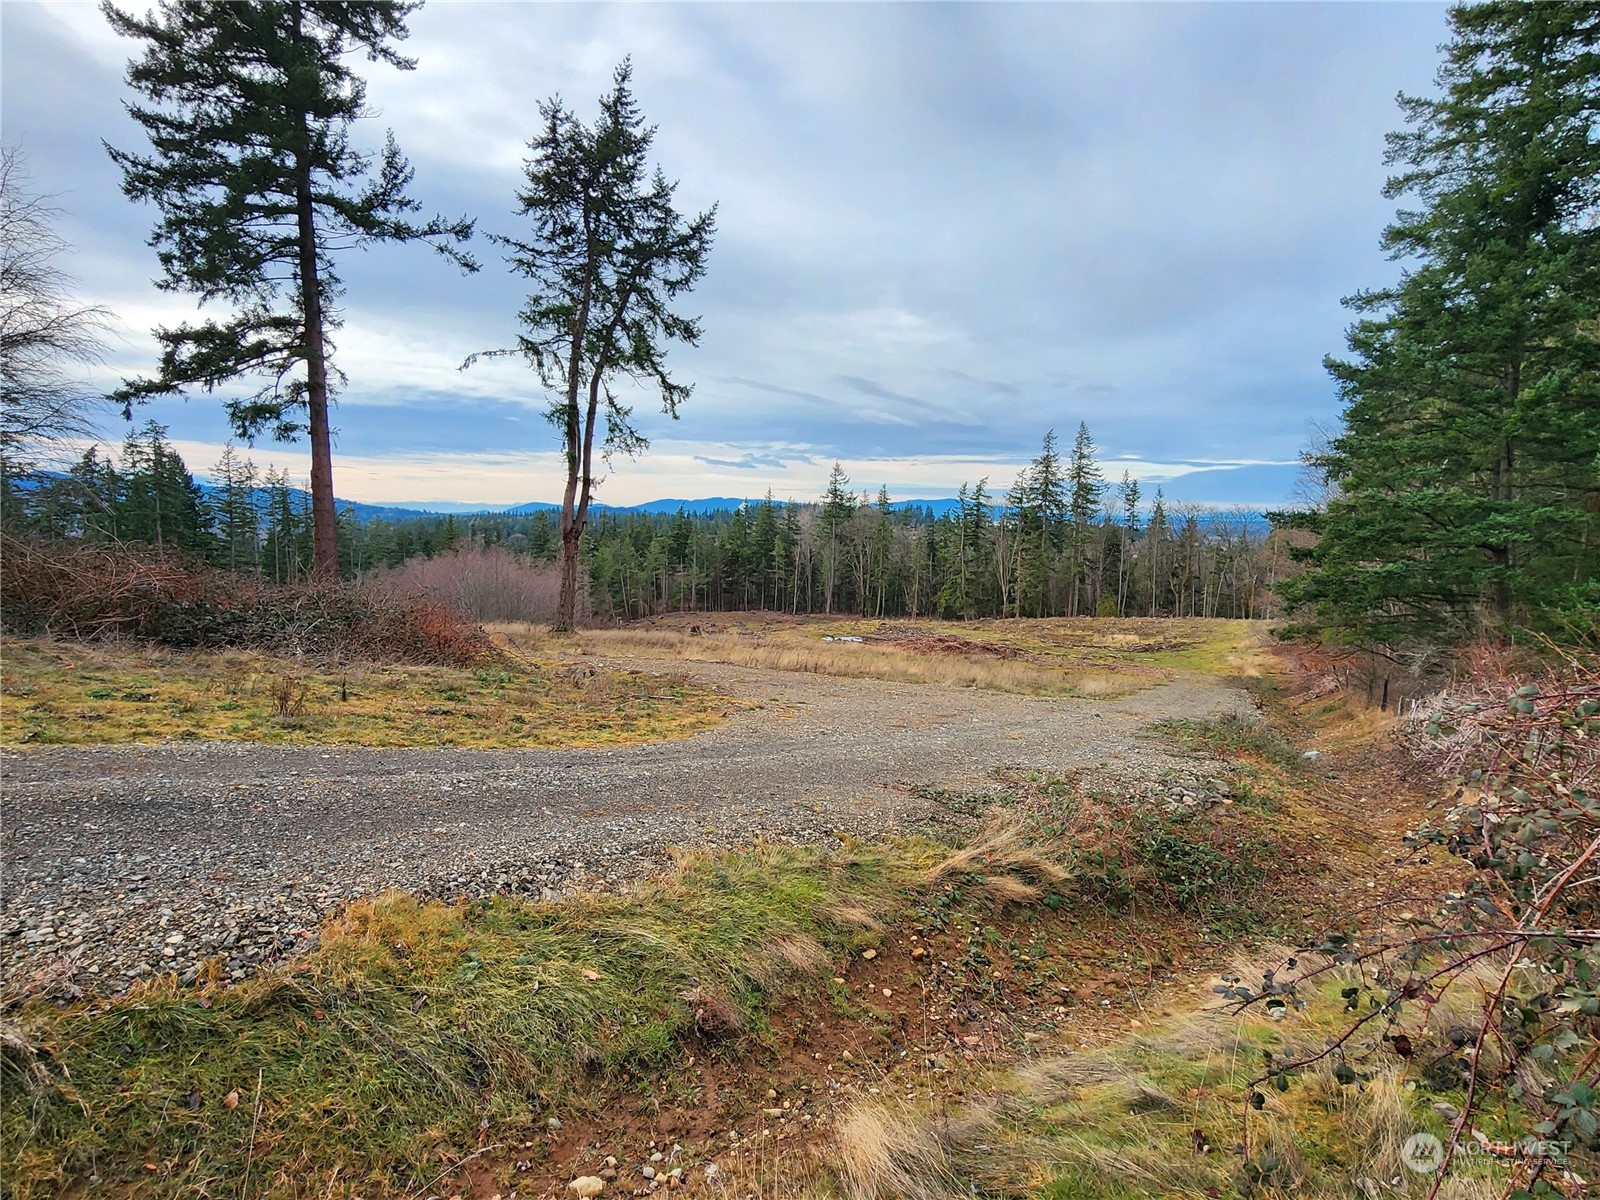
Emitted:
pixel 408 510
pixel 1253 488
pixel 701 507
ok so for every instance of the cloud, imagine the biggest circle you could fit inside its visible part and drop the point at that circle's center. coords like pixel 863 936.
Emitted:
pixel 943 229
pixel 868 387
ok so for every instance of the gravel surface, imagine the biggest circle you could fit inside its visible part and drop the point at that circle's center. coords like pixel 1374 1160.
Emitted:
pixel 125 861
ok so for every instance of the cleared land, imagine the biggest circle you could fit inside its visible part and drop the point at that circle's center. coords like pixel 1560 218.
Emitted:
pixel 1003 1002
pixel 127 861
pixel 75 693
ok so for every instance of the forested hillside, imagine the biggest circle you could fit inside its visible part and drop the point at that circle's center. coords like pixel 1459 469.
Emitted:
pixel 1060 542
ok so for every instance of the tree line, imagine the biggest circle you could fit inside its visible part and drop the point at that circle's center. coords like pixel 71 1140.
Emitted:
pixel 857 554
pixel 1059 542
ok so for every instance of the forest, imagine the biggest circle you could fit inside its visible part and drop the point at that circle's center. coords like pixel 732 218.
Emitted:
pixel 1059 542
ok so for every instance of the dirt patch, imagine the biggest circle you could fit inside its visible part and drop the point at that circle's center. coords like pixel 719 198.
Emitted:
pixel 920 1020
pixel 921 641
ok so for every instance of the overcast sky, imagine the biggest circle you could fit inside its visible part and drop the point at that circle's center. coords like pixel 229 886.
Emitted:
pixel 943 230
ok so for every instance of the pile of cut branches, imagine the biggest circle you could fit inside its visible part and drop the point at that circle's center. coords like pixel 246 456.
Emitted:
pixel 119 590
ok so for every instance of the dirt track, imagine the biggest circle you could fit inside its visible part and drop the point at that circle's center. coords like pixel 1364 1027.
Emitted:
pixel 124 861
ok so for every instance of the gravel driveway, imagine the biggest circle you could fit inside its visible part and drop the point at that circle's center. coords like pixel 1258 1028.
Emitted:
pixel 123 861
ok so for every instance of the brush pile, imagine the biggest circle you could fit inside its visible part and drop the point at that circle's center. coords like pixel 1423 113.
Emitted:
pixel 114 590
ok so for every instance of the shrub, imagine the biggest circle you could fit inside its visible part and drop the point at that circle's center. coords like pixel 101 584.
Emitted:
pixel 488 583
pixel 103 590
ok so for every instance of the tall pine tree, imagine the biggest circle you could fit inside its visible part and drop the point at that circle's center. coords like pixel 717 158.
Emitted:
pixel 1466 472
pixel 249 109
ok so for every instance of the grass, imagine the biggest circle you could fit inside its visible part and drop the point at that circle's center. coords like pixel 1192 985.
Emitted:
pixel 74 693
pixel 1234 737
pixel 1164 1113
pixel 412 1028
pixel 1050 657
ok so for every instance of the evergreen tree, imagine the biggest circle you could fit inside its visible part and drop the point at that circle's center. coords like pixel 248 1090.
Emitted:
pixel 765 564
pixel 1040 499
pixel 238 512
pixel 1128 490
pixel 608 256
pixel 159 501
pixel 1155 537
pixel 882 550
pixel 285 542
pixel 838 506
pixel 249 109
pixel 786 554
pixel 1085 487
pixel 1466 469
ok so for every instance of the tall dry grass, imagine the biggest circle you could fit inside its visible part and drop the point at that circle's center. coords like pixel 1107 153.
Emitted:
pixel 801 650
pixel 1159 1114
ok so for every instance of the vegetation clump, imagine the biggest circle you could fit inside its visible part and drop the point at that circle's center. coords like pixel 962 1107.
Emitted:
pixel 97 590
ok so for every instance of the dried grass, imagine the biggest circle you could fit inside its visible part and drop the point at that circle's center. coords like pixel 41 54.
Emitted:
pixel 801 649
pixel 897 1153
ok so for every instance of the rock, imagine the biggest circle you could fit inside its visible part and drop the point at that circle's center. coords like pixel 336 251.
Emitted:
pixel 587 1185
pixel 656 1156
pixel 869 955
pixel 1312 756
pixel 554 1123
pixel 648 1172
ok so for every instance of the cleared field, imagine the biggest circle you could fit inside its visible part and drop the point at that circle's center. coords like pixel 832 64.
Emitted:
pixel 1049 657
pixel 76 693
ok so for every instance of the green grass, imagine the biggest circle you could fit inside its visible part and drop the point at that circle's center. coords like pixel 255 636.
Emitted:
pixel 79 693
pixel 1233 737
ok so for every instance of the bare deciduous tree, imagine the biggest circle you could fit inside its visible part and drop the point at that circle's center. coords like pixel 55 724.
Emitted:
pixel 47 336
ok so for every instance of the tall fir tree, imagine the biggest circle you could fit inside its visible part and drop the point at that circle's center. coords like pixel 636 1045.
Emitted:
pixel 838 506
pixel 1040 496
pixel 608 256
pixel 1128 491
pixel 1466 471
pixel 1085 487
pixel 249 108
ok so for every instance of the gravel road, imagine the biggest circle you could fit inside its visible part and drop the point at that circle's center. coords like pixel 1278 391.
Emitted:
pixel 123 861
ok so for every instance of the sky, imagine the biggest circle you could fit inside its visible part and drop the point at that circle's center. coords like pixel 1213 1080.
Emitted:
pixel 943 229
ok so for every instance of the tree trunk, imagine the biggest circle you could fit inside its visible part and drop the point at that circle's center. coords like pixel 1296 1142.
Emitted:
pixel 324 520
